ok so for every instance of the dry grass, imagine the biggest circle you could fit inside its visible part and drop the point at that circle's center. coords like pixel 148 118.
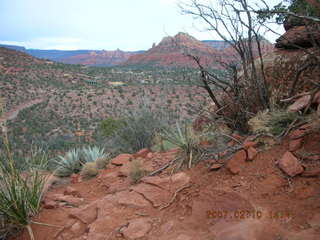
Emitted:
pixel 136 170
pixel 89 170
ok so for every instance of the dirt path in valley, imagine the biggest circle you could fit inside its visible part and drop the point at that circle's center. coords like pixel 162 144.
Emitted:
pixel 13 113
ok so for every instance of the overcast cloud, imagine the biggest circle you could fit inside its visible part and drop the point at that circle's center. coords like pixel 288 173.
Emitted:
pixel 92 24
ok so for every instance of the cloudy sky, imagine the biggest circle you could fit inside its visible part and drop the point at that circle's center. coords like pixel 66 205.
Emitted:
pixel 92 24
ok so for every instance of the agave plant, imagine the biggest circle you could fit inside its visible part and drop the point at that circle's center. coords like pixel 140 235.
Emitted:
pixel 69 163
pixel 91 154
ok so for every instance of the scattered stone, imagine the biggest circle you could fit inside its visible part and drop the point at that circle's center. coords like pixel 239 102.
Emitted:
pixel 295 144
pixel 150 155
pixel 313 157
pixel 252 153
pixel 236 162
pixel 157 196
pixel 87 214
pixel 124 170
pixel 50 204
pixel 137 228
pixel 290 164
pixel 75 201
pixel 72 191
pixel 299 104
pixel 142 153
pixel 311 173
pixel 184 237
pixel 78 228
pixel 171 183
pixel 299 133
pixel 131 199
pixel 121 159
pixel 248 144
pixel 215 166
pixel 75 178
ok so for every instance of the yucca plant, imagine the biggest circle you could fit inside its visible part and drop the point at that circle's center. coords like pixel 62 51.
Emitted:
pixel 91 154
pixel 188 143
pixel 69 163
pixel 20 196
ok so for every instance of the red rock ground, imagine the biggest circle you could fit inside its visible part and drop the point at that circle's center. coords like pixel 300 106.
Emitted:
pixel 205 205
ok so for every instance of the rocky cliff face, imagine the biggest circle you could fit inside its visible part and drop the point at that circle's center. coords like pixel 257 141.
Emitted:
pixel 293 66
pixel 171 52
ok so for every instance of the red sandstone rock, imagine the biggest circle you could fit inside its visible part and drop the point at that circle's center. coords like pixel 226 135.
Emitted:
pixel 248 144
pixel 74 178
pixel 299 133
pixel 237 161
pixel 142 153
pixel 75 201
pixel 87 214
pixel 311 173
pixel 137 228
pixel 290 164
pixel 121 159
pixel 215 166
pixel 298 37
pixel 295 144
pixel 252 153
pixel 299 104
pixel 72 191
pixel 49 204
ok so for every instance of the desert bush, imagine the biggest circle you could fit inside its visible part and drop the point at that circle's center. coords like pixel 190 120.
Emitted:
pixel 89 170
pixel 136 171
pixel 109 126
pixel 274 122
pixel 280 121
pixel 138 130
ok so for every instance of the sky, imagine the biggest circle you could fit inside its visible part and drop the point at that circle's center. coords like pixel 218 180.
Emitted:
pixel 128 25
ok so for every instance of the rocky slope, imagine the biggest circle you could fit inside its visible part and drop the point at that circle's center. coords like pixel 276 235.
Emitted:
pixel 264 194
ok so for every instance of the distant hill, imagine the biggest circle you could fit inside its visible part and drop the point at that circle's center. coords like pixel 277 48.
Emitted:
pixel 85 57
pixel 99 58
pixel 171 52
pixel 13 47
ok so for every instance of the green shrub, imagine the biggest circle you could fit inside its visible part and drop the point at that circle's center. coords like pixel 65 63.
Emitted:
pixel 109 126
pixel 138 130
